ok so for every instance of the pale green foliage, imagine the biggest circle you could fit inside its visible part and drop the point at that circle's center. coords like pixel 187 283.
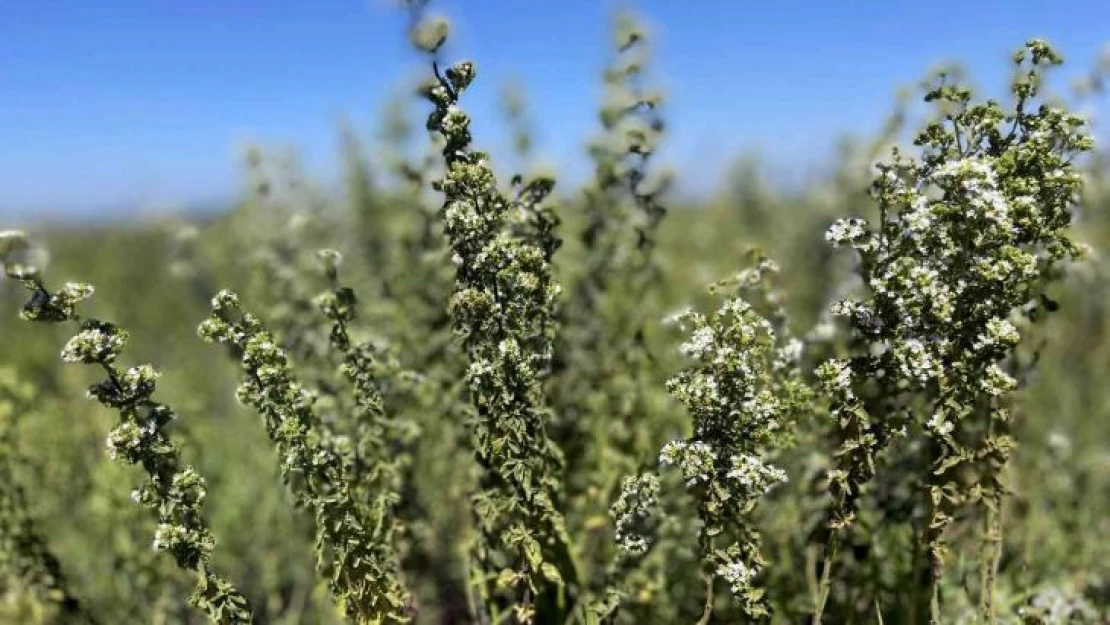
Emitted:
pixel 32 584
pixel 610 406
pixel 358 562
pixel 602 352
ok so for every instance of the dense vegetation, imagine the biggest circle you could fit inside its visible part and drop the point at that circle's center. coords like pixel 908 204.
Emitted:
pixel 454 395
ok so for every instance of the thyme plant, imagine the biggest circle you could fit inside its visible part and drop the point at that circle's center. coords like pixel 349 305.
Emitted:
pixel 969 236
pixel 378 436
pixel 743 390
pixel 351 553
pixel 502 308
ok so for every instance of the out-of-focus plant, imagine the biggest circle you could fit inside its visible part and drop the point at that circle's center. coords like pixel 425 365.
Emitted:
pixel 33 587
pixel 174 492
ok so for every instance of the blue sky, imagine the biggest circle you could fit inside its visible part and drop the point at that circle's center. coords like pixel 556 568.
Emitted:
pixel 137 103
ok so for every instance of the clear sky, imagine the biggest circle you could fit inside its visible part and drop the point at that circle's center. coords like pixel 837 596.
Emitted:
pixel 124 103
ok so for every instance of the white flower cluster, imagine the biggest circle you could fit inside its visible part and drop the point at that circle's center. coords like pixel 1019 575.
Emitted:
pixel 479 372
pixel 462 216
pixel 999 333
pixel 126 441
pixel 679 318
pixel 170 537
pixel 699 344
pixel 789 355
pixel 975 179
pixel 763 409
pixel 846 308
pixel 94 345
pixel 633 511
pixel 940 424
pixel 741 390
pixel 997 382
pixel 851 231
pixel 455 121
pixel 916 362
pixel 836 377
pixel 919 218
pixel 913 289
pixel 737 575
pixel 700 391
pixel 741 312
pixel 754 475
pixel 74 292
pixel 696 460
pixel 138 381
pixel 1015 267
pixel 957 236
pixel 226 299
pixel 189 486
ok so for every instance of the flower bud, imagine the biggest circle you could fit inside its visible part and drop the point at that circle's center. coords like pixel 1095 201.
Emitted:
pixel 430 33
pixel 11 241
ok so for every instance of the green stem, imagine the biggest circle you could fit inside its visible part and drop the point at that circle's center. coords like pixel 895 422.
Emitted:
pixel 988 564
pixel 934 600
pixel 832 550
pixel 707 610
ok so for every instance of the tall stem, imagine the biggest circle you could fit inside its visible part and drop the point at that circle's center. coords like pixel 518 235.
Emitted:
pixel 707 611
pixel 988 563
pixel 936 572
pixel 832 550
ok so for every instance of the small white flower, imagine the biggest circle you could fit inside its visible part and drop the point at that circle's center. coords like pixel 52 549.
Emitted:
pixel 997 382
pixel 93 345
pixel 124 440
pixel 634 506
pixel 695 460
pixel 915 361
pixel 788 355
pixel 845 308
pixel 677 318
pixel 737 574
pixel 750 472
pixel 940 425
pixel 699 343
pixel 836 374
pixel 846 231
